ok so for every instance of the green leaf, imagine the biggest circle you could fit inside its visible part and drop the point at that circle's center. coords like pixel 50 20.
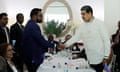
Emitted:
pixel 53 28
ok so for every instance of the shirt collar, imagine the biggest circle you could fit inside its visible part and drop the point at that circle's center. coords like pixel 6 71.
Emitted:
pixel 18 23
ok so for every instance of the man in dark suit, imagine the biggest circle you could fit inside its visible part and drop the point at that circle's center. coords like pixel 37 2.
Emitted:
pixel 16 33
pixel 34 44
pixel 4 31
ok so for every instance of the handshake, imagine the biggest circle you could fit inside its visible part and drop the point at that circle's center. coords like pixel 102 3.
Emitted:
pixel 61 46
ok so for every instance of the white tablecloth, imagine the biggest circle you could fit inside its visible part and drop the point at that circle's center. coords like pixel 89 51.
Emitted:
pixel 62 70
pixel 59 63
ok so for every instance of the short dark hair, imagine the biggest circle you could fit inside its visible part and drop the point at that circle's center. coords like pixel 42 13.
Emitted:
pixel 19 14
pixel 34 11
pixel 3 49
pixel 87 8
pixel 3 14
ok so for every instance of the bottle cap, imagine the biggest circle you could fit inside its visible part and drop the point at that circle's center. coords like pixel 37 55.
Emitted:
pixel 77 68
pixel 54 66
pixel 65 63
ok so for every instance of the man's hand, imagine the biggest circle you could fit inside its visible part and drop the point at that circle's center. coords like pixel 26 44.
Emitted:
pixel 105 61
pixel 61 46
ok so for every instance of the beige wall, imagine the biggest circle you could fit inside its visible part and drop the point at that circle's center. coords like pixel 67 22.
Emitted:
pixel 112 14
pixel 14 6
pixel 112 10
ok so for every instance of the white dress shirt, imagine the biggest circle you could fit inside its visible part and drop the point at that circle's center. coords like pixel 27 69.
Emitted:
pixel 96 40
pixel 6 33
pixel 20 25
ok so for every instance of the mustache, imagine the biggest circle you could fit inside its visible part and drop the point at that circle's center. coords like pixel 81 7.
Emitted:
pixel 39 21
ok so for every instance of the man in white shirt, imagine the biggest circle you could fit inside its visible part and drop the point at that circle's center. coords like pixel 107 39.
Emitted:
pixel 95 38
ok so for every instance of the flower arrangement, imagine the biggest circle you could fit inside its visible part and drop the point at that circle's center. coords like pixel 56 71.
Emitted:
pixel 53 27
pixel 59 29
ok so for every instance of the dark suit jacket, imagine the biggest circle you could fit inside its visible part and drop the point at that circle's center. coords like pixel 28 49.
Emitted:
pixel 16 33
pixel 116 50
pixel 9 69
pixel 3 38
pixel 34 44
pixel 3 65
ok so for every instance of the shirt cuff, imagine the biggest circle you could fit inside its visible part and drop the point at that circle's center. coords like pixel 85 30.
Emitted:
pixel 106 57
pixel 67 44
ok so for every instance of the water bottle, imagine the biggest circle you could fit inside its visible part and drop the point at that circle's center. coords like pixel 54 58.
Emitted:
pixel 69 54
pixel 59 65
pixel 54 68
pixel 54 49
pixel 77 69
pixel 87 65
pixel 66 67
pixel 50 50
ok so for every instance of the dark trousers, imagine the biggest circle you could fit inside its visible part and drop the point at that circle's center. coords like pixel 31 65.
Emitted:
pixel 20 64
pixel 117 66
pixel 17 59
pixel 32 67
pixel 97 67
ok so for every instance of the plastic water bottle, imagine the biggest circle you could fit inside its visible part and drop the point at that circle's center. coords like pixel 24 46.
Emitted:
pixel 54 49
pixel 66 67
pixel 59 65
pixel 77 69
pixel 54 68
pixel 69 54
pixel 50 50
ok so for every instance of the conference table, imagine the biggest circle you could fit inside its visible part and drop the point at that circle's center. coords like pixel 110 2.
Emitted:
pixel 61 62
